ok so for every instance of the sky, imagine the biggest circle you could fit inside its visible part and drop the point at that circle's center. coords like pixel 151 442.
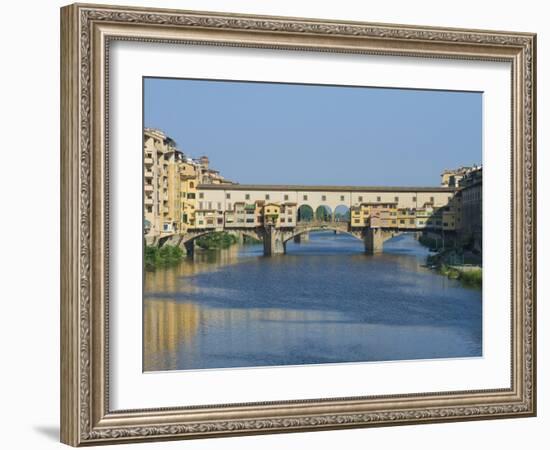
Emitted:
pixel 269 133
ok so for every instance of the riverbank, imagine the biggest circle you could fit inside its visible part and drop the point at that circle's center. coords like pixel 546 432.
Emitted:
pixel 165 256
pixel 470 276
pixel 445 262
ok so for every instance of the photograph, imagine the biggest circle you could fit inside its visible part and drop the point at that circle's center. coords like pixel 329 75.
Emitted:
pixel 289 224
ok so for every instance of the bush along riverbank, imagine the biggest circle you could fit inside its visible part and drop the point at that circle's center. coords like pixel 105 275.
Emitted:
pixel 216 241
pixel 442 262
pixel 165 256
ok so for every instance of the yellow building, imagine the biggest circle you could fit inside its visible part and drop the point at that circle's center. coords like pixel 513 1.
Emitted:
pixel 406 219
pixel 423 216
pixel 170 188
pixel 272 214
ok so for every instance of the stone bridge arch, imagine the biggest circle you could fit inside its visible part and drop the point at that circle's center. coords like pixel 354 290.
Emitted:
pixel 324 213
pixel 322 227
pixel 187 241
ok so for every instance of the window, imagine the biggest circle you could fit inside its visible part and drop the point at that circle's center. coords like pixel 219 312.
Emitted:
pixel 200 205
pixel 201 194
pixel 360 198
pixel 219 205
pixel 431 199
pixel 191 184
pixel 378 199
pixel 220 221
pixel 402 221
pixel 396 199
pixel 414 199
pixel 305 197
pixel 228 205
pixel 341 198
pixel 191 196
pixel 411 221
pixel 267 196
pixel 282 220
pixel 324 198
pixel 209 205
pixel 228 196
pixel 286 197
pixel 247 196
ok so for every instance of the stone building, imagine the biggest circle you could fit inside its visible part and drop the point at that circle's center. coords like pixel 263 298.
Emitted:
pixel 471 196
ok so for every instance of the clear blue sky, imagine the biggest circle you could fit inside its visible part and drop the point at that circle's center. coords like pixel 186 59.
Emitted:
pixel 308 134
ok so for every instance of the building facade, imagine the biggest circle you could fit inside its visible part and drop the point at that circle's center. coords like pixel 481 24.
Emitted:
pixel 183 194
pixel 471 198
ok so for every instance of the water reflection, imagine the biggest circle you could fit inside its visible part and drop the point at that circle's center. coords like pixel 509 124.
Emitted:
pixel 325 301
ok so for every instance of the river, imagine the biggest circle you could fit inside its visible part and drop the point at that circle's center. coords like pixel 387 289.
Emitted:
pixel 325 301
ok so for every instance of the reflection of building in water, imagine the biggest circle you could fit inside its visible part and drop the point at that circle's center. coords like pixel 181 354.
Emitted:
pixel 170 329
pixel 173 279
pixel 167 325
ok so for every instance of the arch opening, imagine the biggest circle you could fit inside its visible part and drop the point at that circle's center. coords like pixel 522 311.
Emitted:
pixel 305 213
pixel 342 214
pixel 322 228
pixel 323 213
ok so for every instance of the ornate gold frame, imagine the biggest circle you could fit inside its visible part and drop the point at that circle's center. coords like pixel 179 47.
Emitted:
pixel 86 31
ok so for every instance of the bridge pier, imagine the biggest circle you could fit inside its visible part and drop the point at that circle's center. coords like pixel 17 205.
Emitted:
pixel 273 242
pixel 374 241
pixel 189 247
pixel 304 237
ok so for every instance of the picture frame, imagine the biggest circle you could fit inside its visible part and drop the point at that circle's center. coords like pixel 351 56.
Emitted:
pixel 87 31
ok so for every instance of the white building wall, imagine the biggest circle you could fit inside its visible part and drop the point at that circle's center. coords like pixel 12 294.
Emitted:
pixel 315 198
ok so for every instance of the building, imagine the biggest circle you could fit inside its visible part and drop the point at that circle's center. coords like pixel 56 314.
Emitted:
pixel 452 177
pixel 471 201
pixel 155 181
pixel 170 181
pixel 406 219
pixel 272 214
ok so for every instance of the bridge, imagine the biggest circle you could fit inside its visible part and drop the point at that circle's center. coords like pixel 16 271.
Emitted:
pixel 275 239
pixel 297 210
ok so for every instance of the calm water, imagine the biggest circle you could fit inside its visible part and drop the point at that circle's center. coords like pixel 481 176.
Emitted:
pixel 325 301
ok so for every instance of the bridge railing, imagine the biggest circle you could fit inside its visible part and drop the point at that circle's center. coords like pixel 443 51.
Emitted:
pixel 321 223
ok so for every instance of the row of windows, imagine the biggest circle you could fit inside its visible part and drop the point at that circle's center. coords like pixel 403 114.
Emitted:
pixel 323 198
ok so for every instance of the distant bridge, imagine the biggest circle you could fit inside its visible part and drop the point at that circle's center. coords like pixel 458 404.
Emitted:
pixel 220 199
pixel 275 239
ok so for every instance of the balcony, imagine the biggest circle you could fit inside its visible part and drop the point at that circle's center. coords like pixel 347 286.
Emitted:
pixel 148 188
pixel 148 201
pixel 148 161
pixel 148 174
